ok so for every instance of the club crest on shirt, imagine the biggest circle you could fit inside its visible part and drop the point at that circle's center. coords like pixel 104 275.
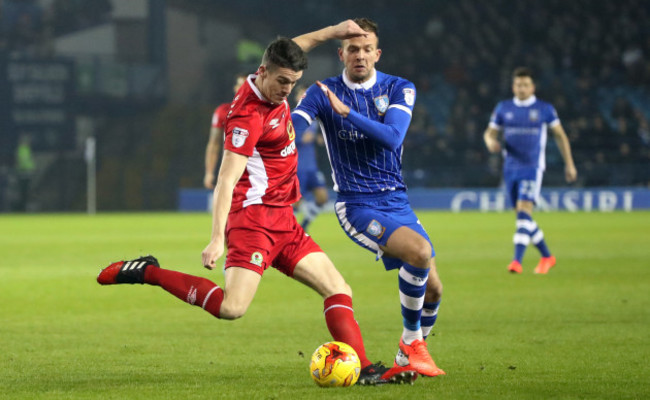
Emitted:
pixel 239 137
pixel 381 103
pixel 257 259
pixel 290 131
pixel 409 96
pixel 375 229
pixel 509 115
pixel 533 115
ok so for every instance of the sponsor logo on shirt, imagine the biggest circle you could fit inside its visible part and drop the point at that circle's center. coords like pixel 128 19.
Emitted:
pixel 290 131
pixel 409 96
pixel 239 137
pixel 275 122
pixel 375 229
pixel 289 150
pixel 350 135
pixel 381 103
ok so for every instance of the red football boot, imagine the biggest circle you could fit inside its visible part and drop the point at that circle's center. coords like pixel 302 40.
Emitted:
pixel 126 271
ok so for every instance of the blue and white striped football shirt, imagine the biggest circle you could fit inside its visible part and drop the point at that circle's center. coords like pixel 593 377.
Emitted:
pixel 524 125
pixel 364 149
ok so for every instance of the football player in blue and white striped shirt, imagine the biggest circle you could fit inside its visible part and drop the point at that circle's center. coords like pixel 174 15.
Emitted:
pixel 364 115
pixel 524 121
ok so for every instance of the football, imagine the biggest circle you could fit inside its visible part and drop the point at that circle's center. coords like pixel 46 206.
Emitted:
pixel 335 364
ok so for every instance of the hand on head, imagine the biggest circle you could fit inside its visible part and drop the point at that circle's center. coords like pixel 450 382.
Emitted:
pixel 348 29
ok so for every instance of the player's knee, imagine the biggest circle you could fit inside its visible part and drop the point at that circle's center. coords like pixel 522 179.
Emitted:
pixel 232 311
pixel 421 256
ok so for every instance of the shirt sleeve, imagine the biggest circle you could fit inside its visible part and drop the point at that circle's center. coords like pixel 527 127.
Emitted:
pixel 391 132
pixel 243 131
pixel 306 111
pixel 496 119
pixel 551 118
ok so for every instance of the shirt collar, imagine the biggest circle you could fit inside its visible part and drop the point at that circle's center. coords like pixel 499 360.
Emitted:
pixel 524 103
pixel 363 85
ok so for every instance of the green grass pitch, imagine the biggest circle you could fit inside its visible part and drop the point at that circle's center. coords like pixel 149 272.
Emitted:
pixel 582 331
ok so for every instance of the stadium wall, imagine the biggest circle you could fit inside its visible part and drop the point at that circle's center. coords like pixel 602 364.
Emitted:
pixel 603 199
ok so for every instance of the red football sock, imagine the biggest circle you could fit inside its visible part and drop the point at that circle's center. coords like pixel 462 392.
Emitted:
pixel 339 317
pixel 189 288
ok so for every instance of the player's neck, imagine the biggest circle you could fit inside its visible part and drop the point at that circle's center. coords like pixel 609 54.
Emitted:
pixel 365 84
pixel 525 102
pixel 257 83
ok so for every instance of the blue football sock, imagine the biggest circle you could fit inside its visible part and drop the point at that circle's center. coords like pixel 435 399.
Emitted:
pixel 537 237
pixel 521 239
pixel 412 285
pixel 428 318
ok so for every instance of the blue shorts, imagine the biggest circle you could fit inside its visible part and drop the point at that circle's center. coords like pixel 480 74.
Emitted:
pixel 310 179
pixel 523 184
pixel 369 220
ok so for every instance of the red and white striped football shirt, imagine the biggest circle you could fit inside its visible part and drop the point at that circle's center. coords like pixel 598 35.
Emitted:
pixel 263 131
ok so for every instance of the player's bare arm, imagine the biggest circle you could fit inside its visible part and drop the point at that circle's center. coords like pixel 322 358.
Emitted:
pixel 491 139
pixel 211 156
pixel 232 168
pixel 344 30
pixel 562 141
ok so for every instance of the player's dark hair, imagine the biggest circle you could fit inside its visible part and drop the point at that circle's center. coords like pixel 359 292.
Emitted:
pixel 522 72
pixel 284 53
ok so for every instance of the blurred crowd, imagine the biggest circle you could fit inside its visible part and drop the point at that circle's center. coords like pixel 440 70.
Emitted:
pixel 29 25
pixel 591 60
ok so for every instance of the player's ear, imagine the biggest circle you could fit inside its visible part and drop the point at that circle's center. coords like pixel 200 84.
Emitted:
pixel 261 70
pixel 340 53
pixel 378 55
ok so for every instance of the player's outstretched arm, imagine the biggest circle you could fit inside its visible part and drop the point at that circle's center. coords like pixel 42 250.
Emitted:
pixel 490 137
pixel 562 141
pixel 343 30
pixel 232 168
pixel 389 134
